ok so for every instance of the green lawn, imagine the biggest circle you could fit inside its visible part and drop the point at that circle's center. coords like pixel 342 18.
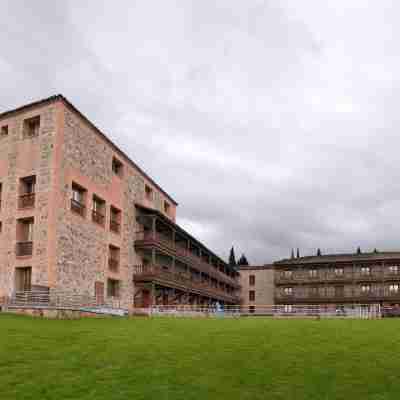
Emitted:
pixel 199 359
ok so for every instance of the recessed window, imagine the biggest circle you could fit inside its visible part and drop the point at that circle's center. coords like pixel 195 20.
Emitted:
pixel 167 207
pixel 1 227
pixel 288 291
pixel 339 291
pixel 394 269
pixel 252 309
pixel 365 288
pixel 252 295
pixel 113 288
pixel 78 201
pixel 23 279
pixel 287 274
pixel 148 192
pixel 288 308
pixel 113 258
pixel 339 271
pixel 252 280
pixel 394 288
pixel 117 167
pixel 31 127
pixel 27 192
pixel 4 131
pixel 25 237
pixel 98 210
pixel 365 271
pixel 313 273
pixel 313 291
pixel 115 220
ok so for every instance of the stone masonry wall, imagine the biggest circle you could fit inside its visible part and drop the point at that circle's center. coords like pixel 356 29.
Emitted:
pixel 21 157
pixel 82 245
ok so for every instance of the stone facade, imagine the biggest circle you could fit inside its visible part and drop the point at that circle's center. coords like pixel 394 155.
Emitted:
pixel 70 251
pixel 260 281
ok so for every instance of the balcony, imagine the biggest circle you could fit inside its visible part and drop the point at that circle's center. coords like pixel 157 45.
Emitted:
pixel 113 264
pixel 78 208
pixel 180 280
pixel 24 249
pixel 115 226
pixel 164 243
pixel 98 217
pixel 26 200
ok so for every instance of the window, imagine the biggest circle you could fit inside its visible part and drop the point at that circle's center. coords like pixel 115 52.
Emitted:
pixel 288 291
pixel 167 207
pixel 252 295
pixel 149 192
pixel 78 200
pixel 365 289
pixel 23 279
pixel 339 291
pixel 98 210
pixel 115 219
pixel 1 227
pixel 31 127
pixel 113 287
pixel 394 269
pixel 287 274
pixel 313 273
pixel 113 257
pixel 252 280
pixel 339 271
pixel 117 167
pixel 27 192
pixel 313 291
pixel 287 308
pixel 25 228
pixel 394 288
pixel 252 309
pixel 365 271
pixel 3 131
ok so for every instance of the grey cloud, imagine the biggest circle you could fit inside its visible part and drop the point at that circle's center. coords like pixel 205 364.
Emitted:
pixel 273 123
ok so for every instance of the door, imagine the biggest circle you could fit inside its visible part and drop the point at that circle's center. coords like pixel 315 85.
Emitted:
pixel 99 292
pixel 146 298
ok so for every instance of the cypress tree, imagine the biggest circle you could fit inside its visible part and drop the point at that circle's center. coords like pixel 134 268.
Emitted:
pixel 232 258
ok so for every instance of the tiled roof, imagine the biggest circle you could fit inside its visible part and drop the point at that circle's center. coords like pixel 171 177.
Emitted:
pixel 329 258
pixel 60 97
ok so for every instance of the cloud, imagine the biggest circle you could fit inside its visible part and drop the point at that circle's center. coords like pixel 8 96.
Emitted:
pixel 273 123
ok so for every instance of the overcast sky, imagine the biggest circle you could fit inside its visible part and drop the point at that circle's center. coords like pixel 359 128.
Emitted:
pixel 274 124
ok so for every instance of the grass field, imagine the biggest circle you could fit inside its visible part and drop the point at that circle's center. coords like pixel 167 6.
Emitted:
pixel 199 359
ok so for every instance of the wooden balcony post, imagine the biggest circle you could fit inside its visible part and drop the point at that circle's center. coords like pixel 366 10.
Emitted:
pixel 153 228
pixel 173 237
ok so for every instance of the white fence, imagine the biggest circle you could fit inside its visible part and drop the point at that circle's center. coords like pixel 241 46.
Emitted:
pixel 357 311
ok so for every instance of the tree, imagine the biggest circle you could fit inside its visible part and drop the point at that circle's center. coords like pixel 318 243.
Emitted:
pixel 298 253
pixel 232 258
pixel 243 260
pixel 358 250
pixel 319 252
pixel 292 255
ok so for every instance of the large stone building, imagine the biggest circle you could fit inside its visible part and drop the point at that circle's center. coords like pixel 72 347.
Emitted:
pixel 78 215
pixel 257 284
pixel 338 279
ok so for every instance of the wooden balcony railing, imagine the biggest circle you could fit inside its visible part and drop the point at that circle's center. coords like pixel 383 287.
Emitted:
pixel 115 226
pixel 180 279
pixel 98 217
pixel 26 200
pixel 187 256
pixel 24 249
pixel 78 207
